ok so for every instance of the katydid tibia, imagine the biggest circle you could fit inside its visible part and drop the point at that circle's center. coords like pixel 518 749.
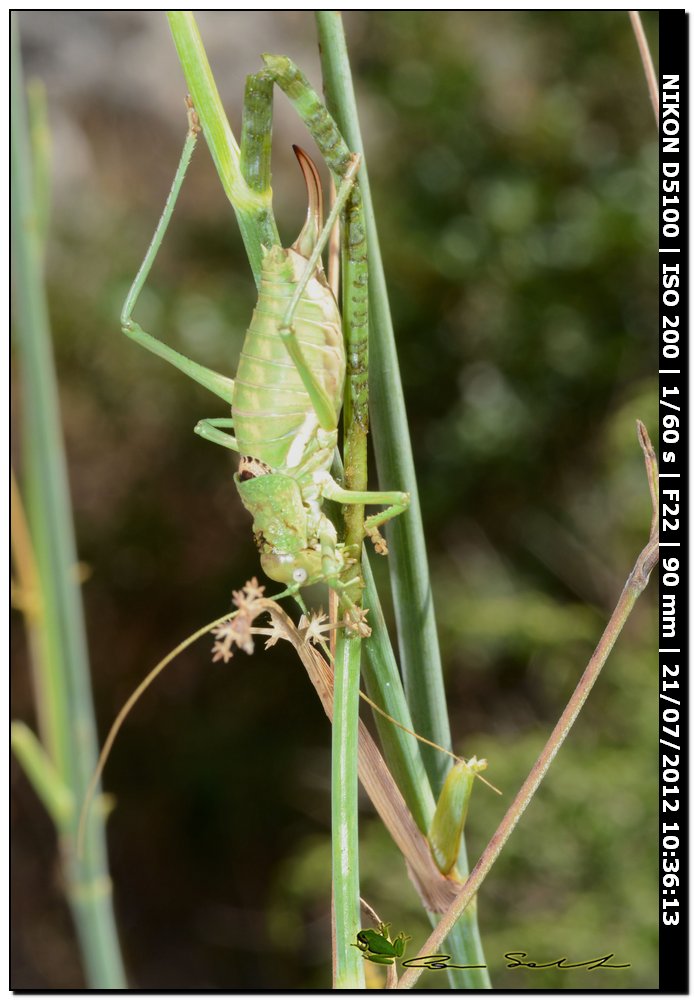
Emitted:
pixel 288 392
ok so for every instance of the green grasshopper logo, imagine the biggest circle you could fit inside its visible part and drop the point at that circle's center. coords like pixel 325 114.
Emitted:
pixel 376 945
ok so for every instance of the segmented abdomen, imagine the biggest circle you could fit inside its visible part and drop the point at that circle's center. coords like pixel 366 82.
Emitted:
pixel 271 408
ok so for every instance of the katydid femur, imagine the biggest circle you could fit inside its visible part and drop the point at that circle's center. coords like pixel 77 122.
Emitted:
pixel 287 396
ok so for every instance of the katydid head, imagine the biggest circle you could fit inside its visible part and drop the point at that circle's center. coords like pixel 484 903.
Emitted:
pixel 279 524
pixel 274 500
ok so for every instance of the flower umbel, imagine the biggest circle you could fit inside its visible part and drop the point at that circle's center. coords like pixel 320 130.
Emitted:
pixel 237 631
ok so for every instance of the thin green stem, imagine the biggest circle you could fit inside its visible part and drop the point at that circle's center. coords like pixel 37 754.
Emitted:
pixel 348 965
pixel 245 176
pixel 384 686
pixel 50 524
pixel 42 773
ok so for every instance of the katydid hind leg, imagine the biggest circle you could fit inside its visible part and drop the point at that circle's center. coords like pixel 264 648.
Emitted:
pixel 312 240
pixel 256 149
pixel 256 131
pixel 219 384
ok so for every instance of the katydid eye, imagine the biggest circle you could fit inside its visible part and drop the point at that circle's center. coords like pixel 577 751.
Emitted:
pixel 300 576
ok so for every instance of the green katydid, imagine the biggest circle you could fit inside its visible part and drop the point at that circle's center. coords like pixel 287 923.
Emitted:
pixel 287 395
pixel 289 387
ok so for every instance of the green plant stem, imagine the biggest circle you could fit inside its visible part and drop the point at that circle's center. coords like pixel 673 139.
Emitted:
pixel 634 586
pixel 252 204
pixel 384 686
pixel 50 521
pixel 45 778
pixel 40 141
pixel 348 965
pixel 47 690
pixel 418 640
pixel 414 612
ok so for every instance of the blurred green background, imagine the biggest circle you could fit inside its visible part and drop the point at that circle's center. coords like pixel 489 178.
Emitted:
pixel 513 158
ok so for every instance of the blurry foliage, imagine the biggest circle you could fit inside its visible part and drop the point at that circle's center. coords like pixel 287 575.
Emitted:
pixel 513 160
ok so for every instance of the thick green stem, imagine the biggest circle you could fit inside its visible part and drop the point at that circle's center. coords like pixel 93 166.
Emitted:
pixel 419 648
pixel 348 965
pixel 87 880
pixel 420 656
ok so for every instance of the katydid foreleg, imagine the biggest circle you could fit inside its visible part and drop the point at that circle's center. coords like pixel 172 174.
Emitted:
pixel 211 430
pixel 395 501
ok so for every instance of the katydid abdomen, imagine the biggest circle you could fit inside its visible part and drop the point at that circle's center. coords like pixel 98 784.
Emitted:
pixel 273 414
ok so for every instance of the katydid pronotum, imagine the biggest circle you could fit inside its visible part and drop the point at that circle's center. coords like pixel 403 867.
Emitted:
pixel 287 397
